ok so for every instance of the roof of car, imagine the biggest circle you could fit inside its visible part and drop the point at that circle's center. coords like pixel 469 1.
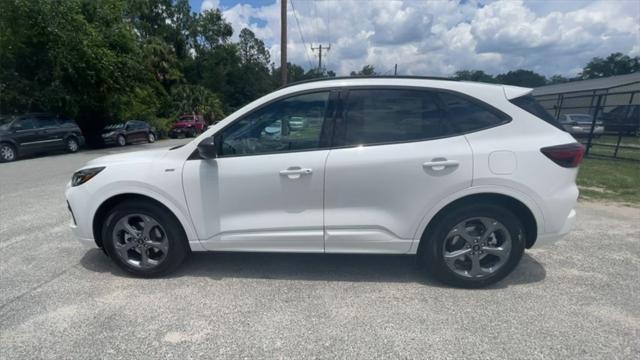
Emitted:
pixel 421 81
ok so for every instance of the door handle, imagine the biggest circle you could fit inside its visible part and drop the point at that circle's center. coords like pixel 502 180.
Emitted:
pixel 295 172
pixel 439 165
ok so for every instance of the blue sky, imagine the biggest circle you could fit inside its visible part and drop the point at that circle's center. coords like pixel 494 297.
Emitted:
pixel 441 37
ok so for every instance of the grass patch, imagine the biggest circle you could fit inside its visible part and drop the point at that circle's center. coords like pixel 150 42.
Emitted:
pixel 613 180
pixel 624 153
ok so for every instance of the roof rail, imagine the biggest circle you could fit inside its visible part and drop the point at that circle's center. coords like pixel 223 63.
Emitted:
pixel 368 77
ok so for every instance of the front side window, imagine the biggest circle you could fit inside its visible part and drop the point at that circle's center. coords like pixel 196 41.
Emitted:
pixel 292 124
pixel 375 116
pixel 24 124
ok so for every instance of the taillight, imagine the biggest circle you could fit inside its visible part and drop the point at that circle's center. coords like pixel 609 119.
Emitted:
pixel 568 155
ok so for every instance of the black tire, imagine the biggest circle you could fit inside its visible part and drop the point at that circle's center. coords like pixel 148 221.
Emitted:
pixel 121 140
pixel 178 248
pixel 432 251
pixel 71 144
pixel 151 137
pixel 8 152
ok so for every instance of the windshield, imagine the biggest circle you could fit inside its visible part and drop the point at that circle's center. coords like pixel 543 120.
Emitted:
pixel 114 126
pixel 5 121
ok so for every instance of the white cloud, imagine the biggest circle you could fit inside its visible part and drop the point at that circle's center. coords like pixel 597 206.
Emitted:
pixel 209 5
pixel 441 37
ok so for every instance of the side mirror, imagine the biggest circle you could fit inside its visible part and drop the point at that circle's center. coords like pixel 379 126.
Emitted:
pixel 208 148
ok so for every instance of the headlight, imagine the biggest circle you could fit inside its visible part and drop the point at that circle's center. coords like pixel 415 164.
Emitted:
pixel 82 176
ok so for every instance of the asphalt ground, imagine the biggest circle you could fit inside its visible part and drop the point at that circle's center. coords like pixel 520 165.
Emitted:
pixel 576 299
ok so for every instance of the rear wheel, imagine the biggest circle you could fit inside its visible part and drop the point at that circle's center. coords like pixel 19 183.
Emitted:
pixel 143 239
pixel 121 140
pixel 7 153
pixel 474 246
pixel 72 145
pixel 151 137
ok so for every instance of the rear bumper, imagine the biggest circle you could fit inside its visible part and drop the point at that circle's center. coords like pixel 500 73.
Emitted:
pixel 549 238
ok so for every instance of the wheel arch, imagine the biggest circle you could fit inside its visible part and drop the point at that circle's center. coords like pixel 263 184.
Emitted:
pixel 107 205
pixel 74 136
pixel 10 142
pixel 531 219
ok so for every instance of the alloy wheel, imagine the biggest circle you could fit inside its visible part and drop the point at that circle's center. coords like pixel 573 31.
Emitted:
pixel 72 145
pixel 122 141
pixel 477 247
pixel 152 138
pixel 7 153
pixel 140 241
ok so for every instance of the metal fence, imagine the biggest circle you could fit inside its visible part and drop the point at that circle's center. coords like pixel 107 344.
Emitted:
pixel 608 123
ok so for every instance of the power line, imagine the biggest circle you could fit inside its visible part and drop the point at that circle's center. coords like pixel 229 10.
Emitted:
pixel 304 43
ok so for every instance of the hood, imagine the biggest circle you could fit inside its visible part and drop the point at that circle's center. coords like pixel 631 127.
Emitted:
pixel 178 124
pixel 146 156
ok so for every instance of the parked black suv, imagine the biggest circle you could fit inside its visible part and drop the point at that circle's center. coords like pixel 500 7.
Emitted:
pixel 624 119
pixel 130 132
pixel 35 133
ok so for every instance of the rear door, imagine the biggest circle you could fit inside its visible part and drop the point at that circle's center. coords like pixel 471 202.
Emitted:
pixel 51 132
pixel 394 158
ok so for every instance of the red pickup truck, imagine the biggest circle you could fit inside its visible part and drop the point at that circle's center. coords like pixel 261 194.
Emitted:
pixel 188 125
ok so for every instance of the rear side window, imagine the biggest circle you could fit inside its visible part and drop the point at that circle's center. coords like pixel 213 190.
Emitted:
pixel 466 115
pixel 529 104
pixel 374 116
pixel 47 122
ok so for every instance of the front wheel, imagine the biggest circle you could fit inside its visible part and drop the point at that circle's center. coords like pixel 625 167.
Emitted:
pixel 474 246
pixel 143 239
pixel 121 140
pixel 7 153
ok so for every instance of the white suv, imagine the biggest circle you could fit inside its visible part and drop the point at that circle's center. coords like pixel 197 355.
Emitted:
pixel 465 175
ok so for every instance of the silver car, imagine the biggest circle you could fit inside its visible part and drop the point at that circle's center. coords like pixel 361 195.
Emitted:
pixel 580 124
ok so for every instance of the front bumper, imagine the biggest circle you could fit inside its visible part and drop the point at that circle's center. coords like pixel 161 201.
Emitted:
pixel 177 132
pixel 80 220
pixel 544 239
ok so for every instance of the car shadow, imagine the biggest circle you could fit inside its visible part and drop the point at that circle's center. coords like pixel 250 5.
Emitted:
pixel 312 267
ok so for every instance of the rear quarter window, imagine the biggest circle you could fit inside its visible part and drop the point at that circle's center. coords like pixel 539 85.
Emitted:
pixel 466 115
pixel 529 104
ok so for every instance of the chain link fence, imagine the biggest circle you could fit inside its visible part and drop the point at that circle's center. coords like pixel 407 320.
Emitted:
pixel 607 123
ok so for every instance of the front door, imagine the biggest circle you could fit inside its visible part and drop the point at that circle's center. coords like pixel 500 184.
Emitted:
pixel 264 192
pixel 27 135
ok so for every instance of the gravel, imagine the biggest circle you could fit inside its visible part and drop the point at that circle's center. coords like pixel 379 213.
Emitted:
pixel 578 298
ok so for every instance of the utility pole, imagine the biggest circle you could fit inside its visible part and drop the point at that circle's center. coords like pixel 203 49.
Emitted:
pixel 283 42
pixel 395 70
pixel 320 48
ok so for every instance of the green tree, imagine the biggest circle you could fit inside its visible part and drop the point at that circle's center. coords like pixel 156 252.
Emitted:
pixel 526 78
pixel 187 99
pixel 614 64
pixel 558 79
pixel 252 49
pixel 474 75
pixel 367 70
pixel 161 60
pixel 213 30
pixel 74 57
